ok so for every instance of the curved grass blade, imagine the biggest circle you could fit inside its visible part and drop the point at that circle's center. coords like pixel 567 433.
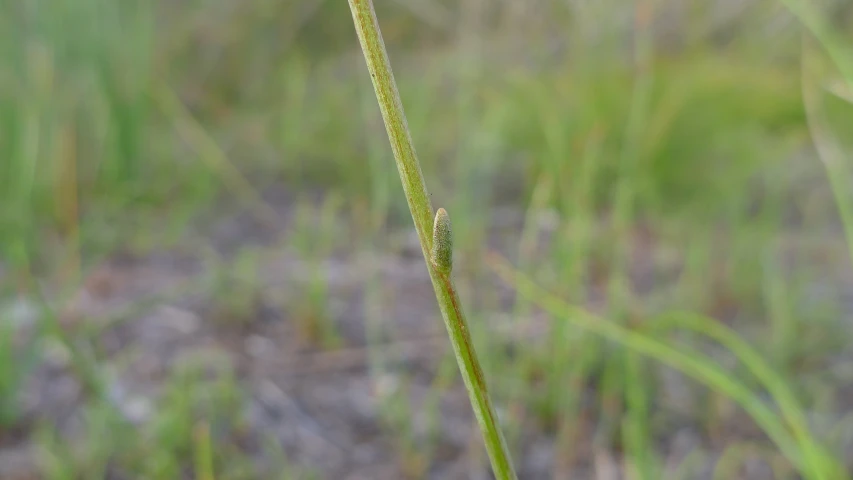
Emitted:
pixel 699 367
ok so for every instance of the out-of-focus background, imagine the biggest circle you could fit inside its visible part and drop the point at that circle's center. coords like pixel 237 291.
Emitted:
pixel 209 270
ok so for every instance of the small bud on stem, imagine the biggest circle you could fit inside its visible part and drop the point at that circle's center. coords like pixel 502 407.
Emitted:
pixel 441 253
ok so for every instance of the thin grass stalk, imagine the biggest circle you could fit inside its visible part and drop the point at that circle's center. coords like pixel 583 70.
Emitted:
pixel 435 240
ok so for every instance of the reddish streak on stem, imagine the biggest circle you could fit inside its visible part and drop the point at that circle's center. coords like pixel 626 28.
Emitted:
pixel 466 337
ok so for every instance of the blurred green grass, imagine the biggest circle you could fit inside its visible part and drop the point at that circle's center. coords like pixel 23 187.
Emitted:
pixel 124 123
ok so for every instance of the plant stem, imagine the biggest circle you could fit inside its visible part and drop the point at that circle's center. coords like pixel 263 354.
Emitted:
pixel 439 261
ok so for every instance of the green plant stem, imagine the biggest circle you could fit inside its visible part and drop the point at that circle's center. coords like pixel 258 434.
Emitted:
pixel 370 38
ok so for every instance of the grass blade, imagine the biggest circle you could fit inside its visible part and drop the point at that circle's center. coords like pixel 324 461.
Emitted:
pixel 696 366
pixel 818 461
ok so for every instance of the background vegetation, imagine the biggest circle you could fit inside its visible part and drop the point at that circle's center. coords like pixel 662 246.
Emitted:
pixel 208 269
